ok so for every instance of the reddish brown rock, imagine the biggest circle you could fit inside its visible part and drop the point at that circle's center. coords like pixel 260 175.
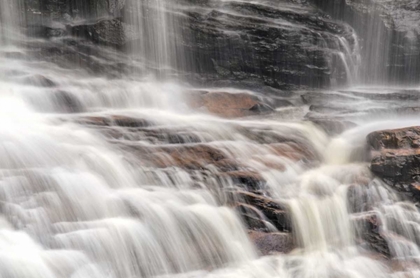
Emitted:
pixel 404 138
pixel 293 151
pixel 195 156
pixel 228 105
pixel 395 157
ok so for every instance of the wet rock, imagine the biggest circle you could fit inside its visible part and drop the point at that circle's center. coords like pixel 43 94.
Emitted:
pixel 191 157
pixel 267 209
pixel 404 138
pixel 395 157
pixel 114 120
pixel 125 121
pixel 272 243
pixel 228 105
pixel 94 120
pixel 242 42
pixel 40 80
pixel 295 151
pixel 392 54
pixel 333 127
pixel 246 179
pixel 358 198
pixel 368 230
pixel 68 10
pixel 67 102
pixel 111 32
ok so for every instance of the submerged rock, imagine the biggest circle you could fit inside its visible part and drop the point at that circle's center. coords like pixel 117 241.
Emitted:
pixel 333 127
pixel 272 243
pixel 67 102
pixel 369 230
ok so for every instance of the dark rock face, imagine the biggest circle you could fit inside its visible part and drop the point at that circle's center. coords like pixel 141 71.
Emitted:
pixel 282 45
pixel 278 44
pixel 389 36
pixel 110 32
pixel 263 209
pixel 396 158
pixel 98 21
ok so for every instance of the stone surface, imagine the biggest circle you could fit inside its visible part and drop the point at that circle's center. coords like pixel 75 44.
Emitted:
pixel 369 230
pixel 389 35
pixel 284 45
pixel 272 243
pixel 245 188
pixel 262 208
pixel 110 32
pixel 333 127
pixel 396 158
pixel 228 105
pixel 271 48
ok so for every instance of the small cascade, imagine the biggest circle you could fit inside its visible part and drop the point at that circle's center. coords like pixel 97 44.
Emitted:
pixel 156 27
pixel 10 20
pixel 138 176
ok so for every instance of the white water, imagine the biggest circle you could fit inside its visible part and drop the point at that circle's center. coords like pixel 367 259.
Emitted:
pixel 75 204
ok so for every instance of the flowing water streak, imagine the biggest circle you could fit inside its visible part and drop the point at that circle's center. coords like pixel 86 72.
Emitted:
pixel 75 208
pixel 157 29
pixel 84 211
pixel 10 19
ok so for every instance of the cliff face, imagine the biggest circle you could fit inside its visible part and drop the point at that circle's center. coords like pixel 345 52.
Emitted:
pixel 265 45
pixel 389 36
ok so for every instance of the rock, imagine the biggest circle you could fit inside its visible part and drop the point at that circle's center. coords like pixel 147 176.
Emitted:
pixel 110 32
pixel 333 127
pixel 268 209
pixel 272 243
pixel 368 229
pixel 249 43
pixel 404 138
pixel 67 102
pixel 284 46
pixel 190 157
pixel 247 179
pixel 395 157
pixel 130 122
pixel 392 54
pixel 114 120
pixel 358 198
pixel 40 80
pixel 228 105
pixel 68 10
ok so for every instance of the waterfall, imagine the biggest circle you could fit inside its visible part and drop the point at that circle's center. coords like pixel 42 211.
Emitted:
pixel 156 25
pixel 10 19
pixel 122 175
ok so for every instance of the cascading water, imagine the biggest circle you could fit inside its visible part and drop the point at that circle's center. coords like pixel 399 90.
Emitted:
pixel 86 191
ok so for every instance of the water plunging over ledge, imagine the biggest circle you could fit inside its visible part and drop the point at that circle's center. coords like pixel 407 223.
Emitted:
pixel 110 177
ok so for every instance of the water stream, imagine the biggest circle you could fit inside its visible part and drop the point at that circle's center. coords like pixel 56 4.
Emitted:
pixel 76 202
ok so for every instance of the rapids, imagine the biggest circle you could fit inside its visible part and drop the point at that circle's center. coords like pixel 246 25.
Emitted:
pixel 77 203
